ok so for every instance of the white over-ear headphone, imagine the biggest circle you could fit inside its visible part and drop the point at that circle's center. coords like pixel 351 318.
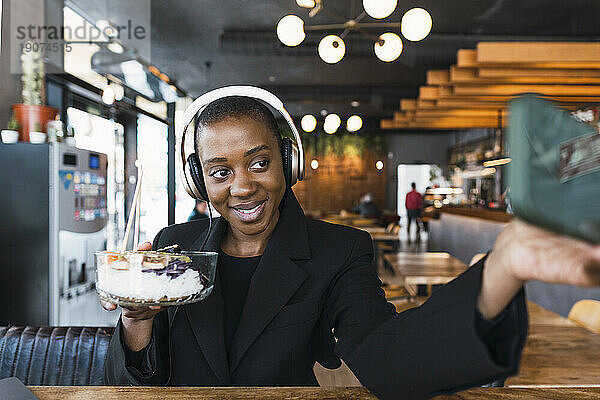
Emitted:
pixel 292 152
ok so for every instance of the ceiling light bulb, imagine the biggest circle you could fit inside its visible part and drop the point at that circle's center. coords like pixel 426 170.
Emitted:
pixel 314 164
pixel 379 165
pixel 332 123
pixel 331 49
pixel 306 3
pixel 108 95
pixel 379 8
pixel 388 47
pixel 290 30
pixel 354 123
pixel 416 24
pixel 308 123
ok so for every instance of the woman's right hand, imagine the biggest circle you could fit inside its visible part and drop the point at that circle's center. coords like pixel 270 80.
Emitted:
pixel 136 322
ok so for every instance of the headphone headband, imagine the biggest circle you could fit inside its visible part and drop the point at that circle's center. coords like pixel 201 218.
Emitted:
pixel 244 91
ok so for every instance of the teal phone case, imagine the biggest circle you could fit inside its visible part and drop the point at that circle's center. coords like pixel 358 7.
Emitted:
pixel 554 176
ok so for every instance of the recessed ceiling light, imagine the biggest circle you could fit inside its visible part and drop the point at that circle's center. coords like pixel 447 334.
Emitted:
pixel 355 103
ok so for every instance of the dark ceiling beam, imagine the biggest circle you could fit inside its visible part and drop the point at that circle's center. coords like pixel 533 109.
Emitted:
pixel 266 42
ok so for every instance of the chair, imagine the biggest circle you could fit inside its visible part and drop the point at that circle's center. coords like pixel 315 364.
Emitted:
pixel 587 314
pixel 49 355
pixel 394 292
pixel 385 247
pixel 392 228
pixel 476 258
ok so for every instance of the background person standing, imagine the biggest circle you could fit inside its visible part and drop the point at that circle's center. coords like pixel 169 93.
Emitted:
pixel 414 205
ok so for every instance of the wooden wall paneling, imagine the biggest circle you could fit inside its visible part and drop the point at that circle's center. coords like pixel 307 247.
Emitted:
pixel 513 89
pixel 445 91
pixel 428 92
pixel 466 58
pixel 474 76
pixel 408 104
pixel 507 71
pixel 425 104
pixel 460 113
pixel 462 102
pixel 442 123
pixel 460 75
pixel 437 77
pixel 340 181
pixel 569 53
pixel 489 98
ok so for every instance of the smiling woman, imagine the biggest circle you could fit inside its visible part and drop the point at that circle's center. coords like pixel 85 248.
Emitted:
pixel 291 291
pixel 240 155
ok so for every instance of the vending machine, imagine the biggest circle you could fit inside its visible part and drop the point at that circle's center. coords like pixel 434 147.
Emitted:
pixel 53 205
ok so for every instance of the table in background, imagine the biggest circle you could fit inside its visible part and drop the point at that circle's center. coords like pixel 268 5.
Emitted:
pixel 557 352
pixel 371 229
pixel 424 268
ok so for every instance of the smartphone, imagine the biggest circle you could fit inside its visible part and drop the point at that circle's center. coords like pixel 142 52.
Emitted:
pixel 554 175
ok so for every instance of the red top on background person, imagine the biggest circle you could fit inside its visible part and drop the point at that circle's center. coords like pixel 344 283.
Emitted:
pixel 414 204
pixel 414 200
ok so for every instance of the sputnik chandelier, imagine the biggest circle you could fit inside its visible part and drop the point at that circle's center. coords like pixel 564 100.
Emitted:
pixel 415 25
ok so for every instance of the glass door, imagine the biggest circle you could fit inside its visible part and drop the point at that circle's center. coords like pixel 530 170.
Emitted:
pixel 104 136
pixel 152 150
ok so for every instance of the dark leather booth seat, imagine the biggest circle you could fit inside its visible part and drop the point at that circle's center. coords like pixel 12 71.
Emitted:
pixel 54 355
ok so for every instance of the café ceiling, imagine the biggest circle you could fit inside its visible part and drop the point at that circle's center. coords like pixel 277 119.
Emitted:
pixel 203 44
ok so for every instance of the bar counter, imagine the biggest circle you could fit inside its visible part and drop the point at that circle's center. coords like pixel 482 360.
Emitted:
pixel 296 393
pixel 464 232
pixel 482 213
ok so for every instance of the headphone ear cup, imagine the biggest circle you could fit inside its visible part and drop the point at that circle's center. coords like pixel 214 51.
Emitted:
pixel 286 157
pixel 294 163
pixel 194 170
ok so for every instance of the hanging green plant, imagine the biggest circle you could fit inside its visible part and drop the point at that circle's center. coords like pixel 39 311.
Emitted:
pixel 343 143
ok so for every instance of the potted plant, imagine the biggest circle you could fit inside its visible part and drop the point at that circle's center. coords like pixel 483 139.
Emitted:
pixel 11 133
pixel 36 135
pixel 32 110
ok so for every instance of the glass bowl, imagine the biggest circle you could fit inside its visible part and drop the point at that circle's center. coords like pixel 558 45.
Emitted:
pixel 151 278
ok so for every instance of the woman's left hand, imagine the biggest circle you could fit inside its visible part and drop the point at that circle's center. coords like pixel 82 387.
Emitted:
pixel 524 252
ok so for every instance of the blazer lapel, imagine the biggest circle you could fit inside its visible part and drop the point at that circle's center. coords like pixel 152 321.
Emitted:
pixel 206 316
pixel 276 279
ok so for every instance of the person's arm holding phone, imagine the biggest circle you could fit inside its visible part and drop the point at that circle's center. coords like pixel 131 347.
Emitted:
pixel 524 252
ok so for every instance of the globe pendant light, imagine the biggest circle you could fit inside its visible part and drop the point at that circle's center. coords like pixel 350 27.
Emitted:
pixel 306 3
pixel 308 123
pixel 290 30
pixel 331 49
pixel 379 8
pixel 416 24
pixel 388 47
pixel 354 123
pixel 332 123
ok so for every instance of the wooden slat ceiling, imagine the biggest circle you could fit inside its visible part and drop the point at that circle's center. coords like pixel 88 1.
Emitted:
pixel 474 92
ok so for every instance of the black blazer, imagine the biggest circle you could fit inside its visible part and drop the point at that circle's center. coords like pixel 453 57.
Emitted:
pixel 315 296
